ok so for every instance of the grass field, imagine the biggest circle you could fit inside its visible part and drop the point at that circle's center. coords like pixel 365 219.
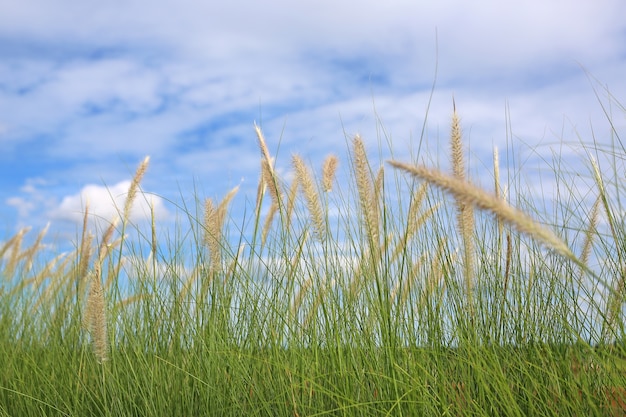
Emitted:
pixel 400 290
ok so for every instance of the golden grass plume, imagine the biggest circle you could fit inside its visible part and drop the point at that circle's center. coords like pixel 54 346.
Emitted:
pixel 329 170
pixel 470 194
pixel 214 218
pixel 365 189
pixel 465 212
pixel 134 187
pixel 311 196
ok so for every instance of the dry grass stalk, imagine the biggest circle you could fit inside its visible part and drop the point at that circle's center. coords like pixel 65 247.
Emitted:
pixel 134 186
pixel 260 193
pixel 311 196
pixel 470 194
pixel 434 277
pixel 496 172
pixel 465 212
pixel 405 284
pixel 130 300
pixel 496 185
pixel 365 189
pixel 414 224
pixel 415 220
pixel 328 172
pixel 153 235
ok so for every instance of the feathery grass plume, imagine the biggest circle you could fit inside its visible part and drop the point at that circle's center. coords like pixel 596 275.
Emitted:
pixel 214 218
pixel 95 310
pixel 267 225
pixel 470 194
pixel 57 273
pixel 263 145
pixel 379 184
pixel 591 231
pixel 415 218
pixel 270 181
pixel 212 234
pixel 311 196
pixel 15 239
pixel 465 212
pixel 96 316
pixel 52 269
pixel 9 243
pixel 328 172
pixel 106 245
pixel 267 168
pixel 28 255
pixel 84 252
pixel 15 244
pixel 365 189
pixel 507 266
pixel 134 186
pixel 222 209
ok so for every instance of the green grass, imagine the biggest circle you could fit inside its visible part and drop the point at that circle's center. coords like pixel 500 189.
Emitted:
pixel 351 302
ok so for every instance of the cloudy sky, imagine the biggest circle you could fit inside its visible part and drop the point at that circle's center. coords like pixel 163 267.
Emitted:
pixel 88 89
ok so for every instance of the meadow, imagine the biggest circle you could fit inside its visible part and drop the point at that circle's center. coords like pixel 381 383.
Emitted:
pixel 402 290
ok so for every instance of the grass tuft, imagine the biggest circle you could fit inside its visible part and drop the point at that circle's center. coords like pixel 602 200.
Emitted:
pixel 350 302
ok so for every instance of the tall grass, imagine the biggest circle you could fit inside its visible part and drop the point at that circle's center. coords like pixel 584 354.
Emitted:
pixel 368 295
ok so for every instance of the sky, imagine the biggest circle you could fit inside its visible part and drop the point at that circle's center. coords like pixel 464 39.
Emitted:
pixel 88 89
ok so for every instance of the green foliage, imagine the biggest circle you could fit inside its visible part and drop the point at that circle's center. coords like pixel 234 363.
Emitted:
pixel 348 302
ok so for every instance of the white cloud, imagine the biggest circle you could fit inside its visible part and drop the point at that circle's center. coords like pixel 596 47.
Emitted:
pixel 93 86
pixel 106 203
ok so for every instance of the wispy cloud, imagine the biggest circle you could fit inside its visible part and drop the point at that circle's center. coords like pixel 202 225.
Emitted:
pixel 85 92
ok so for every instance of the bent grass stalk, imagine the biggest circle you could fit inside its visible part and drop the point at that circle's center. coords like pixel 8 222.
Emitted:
pixel 470 194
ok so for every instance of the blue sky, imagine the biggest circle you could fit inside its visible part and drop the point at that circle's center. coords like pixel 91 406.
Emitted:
pixel 88 89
